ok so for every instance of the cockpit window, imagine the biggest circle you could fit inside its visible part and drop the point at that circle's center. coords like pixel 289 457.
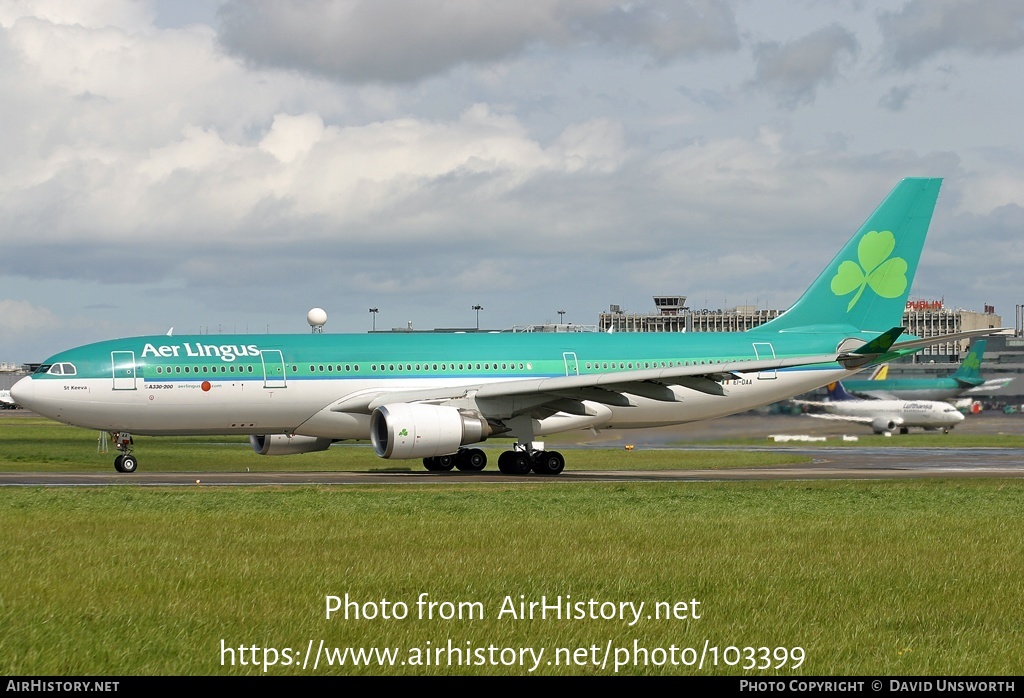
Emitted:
pixel 44 368
pixel 69 369
pixel 62 369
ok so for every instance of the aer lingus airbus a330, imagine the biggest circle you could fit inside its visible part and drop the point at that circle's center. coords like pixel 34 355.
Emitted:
pixel 434 396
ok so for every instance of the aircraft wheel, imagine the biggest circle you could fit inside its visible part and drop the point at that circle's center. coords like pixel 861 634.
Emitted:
pixel 519 463
pixel 117 463
pixel 438 464
pixel 503 462
pixel 549 463
pixel 129 464
pixel 471 460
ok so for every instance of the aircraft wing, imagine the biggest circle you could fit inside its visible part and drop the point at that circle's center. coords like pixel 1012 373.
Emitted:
pixel 860 419
pixel 611 388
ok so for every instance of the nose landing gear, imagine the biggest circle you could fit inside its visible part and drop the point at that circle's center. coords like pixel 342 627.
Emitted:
pixel 125 461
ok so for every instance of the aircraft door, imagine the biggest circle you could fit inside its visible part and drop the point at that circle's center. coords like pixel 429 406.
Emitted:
pixel 273 368
pixel 122 364
pixel 765 350
pixel 572 367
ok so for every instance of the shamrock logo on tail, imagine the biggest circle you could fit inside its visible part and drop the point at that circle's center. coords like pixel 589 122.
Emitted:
pixel 886 277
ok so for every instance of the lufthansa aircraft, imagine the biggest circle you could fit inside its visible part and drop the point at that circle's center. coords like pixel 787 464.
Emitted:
pixel 433 396
pixel 886 416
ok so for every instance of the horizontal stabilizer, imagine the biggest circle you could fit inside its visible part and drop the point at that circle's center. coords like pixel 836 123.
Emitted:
pixel 910 346
pixel 865 354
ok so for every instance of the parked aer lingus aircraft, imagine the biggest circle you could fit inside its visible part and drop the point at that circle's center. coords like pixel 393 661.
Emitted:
pixel 431 396
pixel 964 382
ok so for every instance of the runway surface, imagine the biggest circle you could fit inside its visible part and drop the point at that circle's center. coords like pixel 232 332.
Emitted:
pixel 867 460
pixel 852 463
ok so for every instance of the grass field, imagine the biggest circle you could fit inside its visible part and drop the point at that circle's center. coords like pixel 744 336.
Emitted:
pixel 909 578
pixel 898 578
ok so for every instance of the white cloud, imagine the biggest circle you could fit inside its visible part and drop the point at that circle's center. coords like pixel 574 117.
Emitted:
pixel 291 137
pixel 94 14
pixel 24 318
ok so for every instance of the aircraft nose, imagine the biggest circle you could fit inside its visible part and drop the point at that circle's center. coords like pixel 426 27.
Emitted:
pixel 23 391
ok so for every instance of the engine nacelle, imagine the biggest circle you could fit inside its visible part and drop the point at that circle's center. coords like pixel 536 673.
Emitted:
pixel 881 425
pixel 287 444
pixel 412 430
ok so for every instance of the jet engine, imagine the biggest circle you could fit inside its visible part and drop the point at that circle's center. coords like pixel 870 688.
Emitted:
pixel 413 430
pixel 883 425
pixel 287 444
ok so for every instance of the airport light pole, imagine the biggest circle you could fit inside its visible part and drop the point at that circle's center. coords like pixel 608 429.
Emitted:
pixel 373 314
pixel 478 308
pixel 561 317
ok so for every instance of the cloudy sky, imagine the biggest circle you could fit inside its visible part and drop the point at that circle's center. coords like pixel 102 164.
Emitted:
pixel 225 166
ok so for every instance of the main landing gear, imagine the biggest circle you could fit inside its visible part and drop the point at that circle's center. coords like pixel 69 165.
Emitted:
pixel 125 461
pixel 519 461
pixel 467 459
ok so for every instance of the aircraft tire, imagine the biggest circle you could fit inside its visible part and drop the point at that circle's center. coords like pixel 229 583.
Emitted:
pixel 439 464
pixel 514 463
pixel 503 462
pixel 471 460
pixel 519 463
pixel 117 463
pixel 548 463
pixel 129 464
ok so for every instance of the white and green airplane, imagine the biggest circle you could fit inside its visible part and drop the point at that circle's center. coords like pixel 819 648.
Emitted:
pixel 434 396
pixel 964 382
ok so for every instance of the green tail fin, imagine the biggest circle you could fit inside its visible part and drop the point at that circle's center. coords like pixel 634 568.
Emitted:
pixel 969 372
pixel 867 284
